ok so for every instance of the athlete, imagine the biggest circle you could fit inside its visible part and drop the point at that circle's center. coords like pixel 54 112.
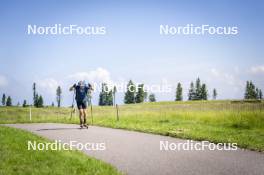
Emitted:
pixel 81 97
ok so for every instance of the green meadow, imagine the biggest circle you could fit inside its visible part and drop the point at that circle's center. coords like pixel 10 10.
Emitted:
pixel 240 122
pixel 17 159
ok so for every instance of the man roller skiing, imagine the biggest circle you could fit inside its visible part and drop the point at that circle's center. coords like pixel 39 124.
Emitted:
pixel 81 91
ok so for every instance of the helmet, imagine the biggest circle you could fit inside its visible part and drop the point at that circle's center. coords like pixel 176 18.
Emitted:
pixel 81 83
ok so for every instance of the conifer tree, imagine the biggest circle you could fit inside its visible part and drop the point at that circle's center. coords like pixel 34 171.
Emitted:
pixel 140 94
pixel 179 92
pixel 204 93
pixel 8 101
pixel 152 97
pixel 191 94
pixel 58 96
pixel 105 96
pixel 198 92
pixel 35 98
pixel 40 102
pixel 214 94
pixel 260 95
pixel 130 93
pixel 24 103
pixel 251 92
pixel 3 100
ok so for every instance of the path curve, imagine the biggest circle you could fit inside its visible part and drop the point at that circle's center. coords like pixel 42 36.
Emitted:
pixel 136 153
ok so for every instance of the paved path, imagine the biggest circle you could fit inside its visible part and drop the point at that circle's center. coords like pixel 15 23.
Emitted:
pixel 137 153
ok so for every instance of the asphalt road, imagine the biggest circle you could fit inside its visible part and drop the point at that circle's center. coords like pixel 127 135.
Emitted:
pixel 137 153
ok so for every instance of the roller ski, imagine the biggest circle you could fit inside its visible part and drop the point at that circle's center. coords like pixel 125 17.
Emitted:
pixel 84 126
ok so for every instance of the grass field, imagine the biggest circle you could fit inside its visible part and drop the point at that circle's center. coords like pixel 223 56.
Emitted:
pixel 216 121
pixel 18 160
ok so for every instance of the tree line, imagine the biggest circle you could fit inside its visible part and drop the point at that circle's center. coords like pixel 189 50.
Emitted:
pixel 38 100
pixel 252 92
pixel 133 94
pixel 137 94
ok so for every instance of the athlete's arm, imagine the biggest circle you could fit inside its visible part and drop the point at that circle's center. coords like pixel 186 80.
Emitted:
pixel 73 87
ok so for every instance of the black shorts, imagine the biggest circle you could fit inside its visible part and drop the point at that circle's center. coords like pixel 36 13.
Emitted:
pixel 81 104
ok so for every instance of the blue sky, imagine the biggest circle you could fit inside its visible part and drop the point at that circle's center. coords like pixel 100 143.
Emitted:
pixel 132 48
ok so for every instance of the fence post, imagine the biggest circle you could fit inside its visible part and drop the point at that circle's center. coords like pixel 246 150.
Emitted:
pixel 117 113
pixel 30 113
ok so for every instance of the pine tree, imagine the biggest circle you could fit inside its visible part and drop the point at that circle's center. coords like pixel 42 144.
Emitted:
pixel 4 100
pixel 251 92
pixel 100 103
pixel 204 93
pixel 260 95
pixel 214 94
pixel 8 101
pixel 109 98
pixel 191 94
pixel 105 96
pixel 35 98
pixel 102 95
pixel 140 94
pixel 198 93
pixel 246 95
pixel 40 102
pixel 58 96
pixel 24 103
pixel 130 93
pixel 179 93
pixel 152 97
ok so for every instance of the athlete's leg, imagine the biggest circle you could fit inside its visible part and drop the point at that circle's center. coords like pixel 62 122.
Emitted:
pixel 84 113
pixel 81 116
pixel 84 116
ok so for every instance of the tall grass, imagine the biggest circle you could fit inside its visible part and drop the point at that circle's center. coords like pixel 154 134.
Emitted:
pixel 216 121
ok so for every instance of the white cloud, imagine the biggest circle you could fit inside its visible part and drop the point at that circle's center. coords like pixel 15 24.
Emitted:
pixel 257 69
pixel 229 84
pixel 98 75
pixel 215 72
pixel 226 77
pixel 49 85
pixel 3 81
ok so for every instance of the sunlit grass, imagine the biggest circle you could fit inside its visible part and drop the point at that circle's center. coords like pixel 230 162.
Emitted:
pixel 18 160
pixel 216 121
